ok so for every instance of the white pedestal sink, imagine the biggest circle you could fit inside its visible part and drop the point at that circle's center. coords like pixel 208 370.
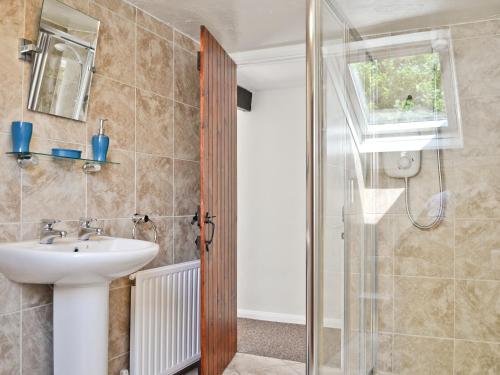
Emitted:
pixel 81 272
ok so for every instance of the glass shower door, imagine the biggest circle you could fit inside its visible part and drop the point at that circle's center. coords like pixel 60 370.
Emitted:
pixel 341 246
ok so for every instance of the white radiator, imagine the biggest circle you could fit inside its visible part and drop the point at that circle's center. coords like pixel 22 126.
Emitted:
pixel 165 324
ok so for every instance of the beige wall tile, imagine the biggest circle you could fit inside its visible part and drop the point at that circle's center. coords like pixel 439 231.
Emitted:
pixel 115 102
pixel 476 358
pixel 11 73
pixel 477 311
pixel 384 353
pixel 477 252
pixel 187 132
pixel 118 227
pixel 9 232
pixel 120 283
pixel 385 303
pixel 331 347
pixel 154 63
pixel 119 321
pixel 386 229
pixel 10 344
pixel 165 228
pixel 53 189
pixel 422 356
pixel 155 124
pixel 11 18
pixel 183 41
pixel 186 188
pixel 430 254
pixel 477 187
pixel 110 193
pixel 117 364
pixel 32 12
pixel 423 306
pixel 122 8
pixel 154 25
pixel 34 295
pixel 154 185
pixel 480 126
pixel 184 240
pixel 10 296
pixel 115 57
pixel 37 341
pixel 476 66
pixel 187 78
pixel 476 29
pixel 10 190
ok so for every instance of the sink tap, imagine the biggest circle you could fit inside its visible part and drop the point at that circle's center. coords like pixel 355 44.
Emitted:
pixel 48 233
pixel 86 230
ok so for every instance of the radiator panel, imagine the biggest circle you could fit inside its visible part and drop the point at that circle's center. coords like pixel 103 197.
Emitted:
pixel 165 328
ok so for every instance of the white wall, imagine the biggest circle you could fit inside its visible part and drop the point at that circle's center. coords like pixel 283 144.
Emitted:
pixel 271 206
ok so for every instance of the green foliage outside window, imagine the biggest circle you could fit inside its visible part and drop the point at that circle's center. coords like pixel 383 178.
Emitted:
pixel 402 89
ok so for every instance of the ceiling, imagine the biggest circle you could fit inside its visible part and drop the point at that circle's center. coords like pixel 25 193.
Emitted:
pixel 242 25
pixel 239 25
pixel 273 75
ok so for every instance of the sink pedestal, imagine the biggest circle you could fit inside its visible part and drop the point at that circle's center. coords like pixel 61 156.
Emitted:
pixel 81 329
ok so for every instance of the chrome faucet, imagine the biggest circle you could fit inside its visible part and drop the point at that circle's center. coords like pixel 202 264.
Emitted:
pixel 48 233
pixel 86 230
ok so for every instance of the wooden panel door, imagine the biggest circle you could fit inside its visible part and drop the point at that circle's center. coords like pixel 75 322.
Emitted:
pixel 218 205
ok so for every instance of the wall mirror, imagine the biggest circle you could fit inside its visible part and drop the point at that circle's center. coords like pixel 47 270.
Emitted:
pixel 64 62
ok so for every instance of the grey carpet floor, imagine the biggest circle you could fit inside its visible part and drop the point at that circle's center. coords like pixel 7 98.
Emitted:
pixel 272 339
pixel 285 341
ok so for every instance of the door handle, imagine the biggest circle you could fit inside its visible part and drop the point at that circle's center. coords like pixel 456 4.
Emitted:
pixel 208 220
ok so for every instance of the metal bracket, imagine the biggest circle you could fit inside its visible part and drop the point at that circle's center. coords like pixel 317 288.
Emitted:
pixel 91 167
pixel 26 160
pixel 27 50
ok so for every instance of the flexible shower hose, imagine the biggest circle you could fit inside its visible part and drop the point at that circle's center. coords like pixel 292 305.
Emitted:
pixel 440 216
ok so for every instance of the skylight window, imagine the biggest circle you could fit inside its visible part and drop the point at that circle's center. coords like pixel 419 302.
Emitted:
pixel 401 93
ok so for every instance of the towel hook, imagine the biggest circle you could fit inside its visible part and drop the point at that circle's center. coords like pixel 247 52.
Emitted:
pixel 138 218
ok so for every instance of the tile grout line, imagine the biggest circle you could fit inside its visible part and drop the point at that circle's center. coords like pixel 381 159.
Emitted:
pixel 395 229
pixel 21 208
pixel 454 294
pixel 173 153
pixel 135 113
pixel 440 338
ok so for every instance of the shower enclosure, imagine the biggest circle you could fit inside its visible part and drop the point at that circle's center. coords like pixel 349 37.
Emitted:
pixel 403 203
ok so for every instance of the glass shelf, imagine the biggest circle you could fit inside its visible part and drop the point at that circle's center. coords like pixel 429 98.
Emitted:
pixel 89 165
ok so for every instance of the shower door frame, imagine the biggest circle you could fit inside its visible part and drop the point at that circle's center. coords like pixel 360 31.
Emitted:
pixel 314 204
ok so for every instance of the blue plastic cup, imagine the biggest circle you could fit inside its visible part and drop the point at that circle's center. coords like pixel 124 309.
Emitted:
pixel 21 136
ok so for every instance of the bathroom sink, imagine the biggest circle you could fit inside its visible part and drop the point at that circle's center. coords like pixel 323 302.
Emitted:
pixel 73 262
pixel 81 272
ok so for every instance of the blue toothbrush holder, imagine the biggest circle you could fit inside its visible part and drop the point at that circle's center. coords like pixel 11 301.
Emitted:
pixel 21 136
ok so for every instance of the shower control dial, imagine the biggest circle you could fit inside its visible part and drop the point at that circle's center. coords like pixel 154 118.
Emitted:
pixel 402 164
pixel 405 161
